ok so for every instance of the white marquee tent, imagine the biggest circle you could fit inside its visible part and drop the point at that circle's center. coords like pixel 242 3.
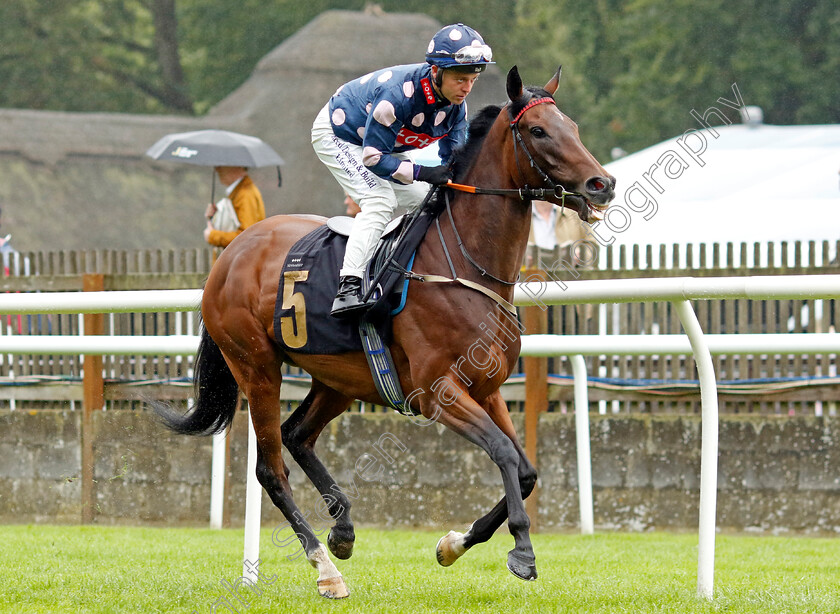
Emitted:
pixel 736 183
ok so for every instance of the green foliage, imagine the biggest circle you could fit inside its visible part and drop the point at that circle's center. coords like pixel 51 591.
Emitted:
pixel 223 41
pixel 636 68
pixel 633 69
pixel 84 55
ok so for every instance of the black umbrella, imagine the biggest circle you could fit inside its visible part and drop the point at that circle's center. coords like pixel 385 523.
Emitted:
pixel 215 148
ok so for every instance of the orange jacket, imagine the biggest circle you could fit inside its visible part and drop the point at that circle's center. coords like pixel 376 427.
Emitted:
pixel 250 209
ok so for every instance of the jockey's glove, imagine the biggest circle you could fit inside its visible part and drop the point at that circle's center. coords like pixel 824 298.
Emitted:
pixel 436 175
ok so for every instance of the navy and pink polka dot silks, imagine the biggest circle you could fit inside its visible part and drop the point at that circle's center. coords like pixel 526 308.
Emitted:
pixel 396 110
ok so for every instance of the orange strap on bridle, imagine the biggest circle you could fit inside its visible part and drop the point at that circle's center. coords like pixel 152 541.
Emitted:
pixel 462 188
pixel 526 193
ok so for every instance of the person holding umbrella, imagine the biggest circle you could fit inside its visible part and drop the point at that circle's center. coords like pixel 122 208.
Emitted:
pixel 231 155
pixel 241 207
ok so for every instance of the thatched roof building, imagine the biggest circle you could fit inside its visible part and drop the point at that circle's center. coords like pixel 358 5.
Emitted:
pixel 81 180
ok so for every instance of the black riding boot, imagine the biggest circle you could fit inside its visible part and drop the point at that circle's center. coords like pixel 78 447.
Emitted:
pixel 348 300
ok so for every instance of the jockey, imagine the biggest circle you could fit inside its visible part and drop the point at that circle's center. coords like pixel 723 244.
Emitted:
pixel 364 132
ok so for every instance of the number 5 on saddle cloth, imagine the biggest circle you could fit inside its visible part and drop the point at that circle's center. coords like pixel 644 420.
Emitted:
pixel 302 320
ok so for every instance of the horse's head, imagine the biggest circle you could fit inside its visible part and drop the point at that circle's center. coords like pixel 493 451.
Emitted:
pixel 548 152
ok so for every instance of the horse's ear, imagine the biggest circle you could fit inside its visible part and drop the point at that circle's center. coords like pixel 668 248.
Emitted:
pixel 514 84
pixel 552 84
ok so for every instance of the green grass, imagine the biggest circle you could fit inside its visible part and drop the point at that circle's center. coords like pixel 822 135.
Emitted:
pixel 115 569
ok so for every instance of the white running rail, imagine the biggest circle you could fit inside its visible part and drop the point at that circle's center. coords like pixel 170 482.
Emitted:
pixel 678 290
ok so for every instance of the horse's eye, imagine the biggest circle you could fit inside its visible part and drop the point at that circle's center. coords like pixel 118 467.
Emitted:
pixel 537 132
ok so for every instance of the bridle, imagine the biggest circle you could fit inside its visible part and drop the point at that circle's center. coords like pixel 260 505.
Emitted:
pixel 525 193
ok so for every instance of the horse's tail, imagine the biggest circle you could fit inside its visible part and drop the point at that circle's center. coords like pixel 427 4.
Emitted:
pixel 216 393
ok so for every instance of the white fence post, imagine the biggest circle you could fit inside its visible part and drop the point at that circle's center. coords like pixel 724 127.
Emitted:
pixel 253 508
pixel 217 480
pixel 584 457
pixel 709 449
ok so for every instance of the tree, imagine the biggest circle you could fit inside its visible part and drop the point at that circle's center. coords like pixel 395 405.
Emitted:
pixel 639 67
pixel 91 55
pixel 174 93
pixel 587 39
pixel 223 41
pixel 633 69
pixel 168 55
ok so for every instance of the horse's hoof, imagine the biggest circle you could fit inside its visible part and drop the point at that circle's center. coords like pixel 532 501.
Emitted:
pixel 449 548
pixel 341 549
pixel 333 588
pixel 524 568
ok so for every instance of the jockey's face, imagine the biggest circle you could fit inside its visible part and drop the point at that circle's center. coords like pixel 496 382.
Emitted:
pixel 454 85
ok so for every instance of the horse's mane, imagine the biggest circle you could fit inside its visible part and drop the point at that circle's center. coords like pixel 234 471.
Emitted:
pixel 478 128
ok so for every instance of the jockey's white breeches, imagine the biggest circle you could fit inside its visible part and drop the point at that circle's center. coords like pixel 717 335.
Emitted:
pixel 378 198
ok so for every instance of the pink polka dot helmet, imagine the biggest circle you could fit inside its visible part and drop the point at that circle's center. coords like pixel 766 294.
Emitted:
pixel 459 46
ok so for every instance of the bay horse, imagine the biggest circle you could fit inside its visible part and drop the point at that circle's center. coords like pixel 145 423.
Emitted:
pixel 435 339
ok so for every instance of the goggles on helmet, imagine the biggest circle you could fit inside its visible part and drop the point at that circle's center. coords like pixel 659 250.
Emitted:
pixel 472 54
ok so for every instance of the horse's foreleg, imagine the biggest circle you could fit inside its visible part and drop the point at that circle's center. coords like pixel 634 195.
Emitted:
pixel 453 545
pixel 472 421
pixel 300 432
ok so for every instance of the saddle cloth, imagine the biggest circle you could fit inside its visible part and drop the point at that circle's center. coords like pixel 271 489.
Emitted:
pixel 309 281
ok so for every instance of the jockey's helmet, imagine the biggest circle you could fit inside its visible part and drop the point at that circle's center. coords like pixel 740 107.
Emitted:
pixel 459 46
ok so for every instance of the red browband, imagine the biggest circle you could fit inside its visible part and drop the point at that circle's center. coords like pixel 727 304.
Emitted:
pixel 533 103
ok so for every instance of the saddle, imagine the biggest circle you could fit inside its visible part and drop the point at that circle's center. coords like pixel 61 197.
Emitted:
pixel 309 281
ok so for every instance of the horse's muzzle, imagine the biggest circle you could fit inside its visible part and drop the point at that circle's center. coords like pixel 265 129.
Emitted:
pixel 596 195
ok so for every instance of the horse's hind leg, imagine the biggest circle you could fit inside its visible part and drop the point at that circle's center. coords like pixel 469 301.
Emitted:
pixel 300 432
pixel 453 545
pixel 260 379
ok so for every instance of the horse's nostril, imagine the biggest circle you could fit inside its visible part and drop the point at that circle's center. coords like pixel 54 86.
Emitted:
pixel 596 184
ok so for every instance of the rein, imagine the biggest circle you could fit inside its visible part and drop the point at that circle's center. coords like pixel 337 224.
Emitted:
pixel 464 251
pixel 526 193
pixel 455 279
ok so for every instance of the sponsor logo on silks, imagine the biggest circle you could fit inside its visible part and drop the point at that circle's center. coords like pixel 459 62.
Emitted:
pixel 428 91
pixel 407 138
pixel 184 152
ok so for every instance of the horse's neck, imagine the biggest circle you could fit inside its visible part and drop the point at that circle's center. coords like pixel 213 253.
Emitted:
pixel 494 229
